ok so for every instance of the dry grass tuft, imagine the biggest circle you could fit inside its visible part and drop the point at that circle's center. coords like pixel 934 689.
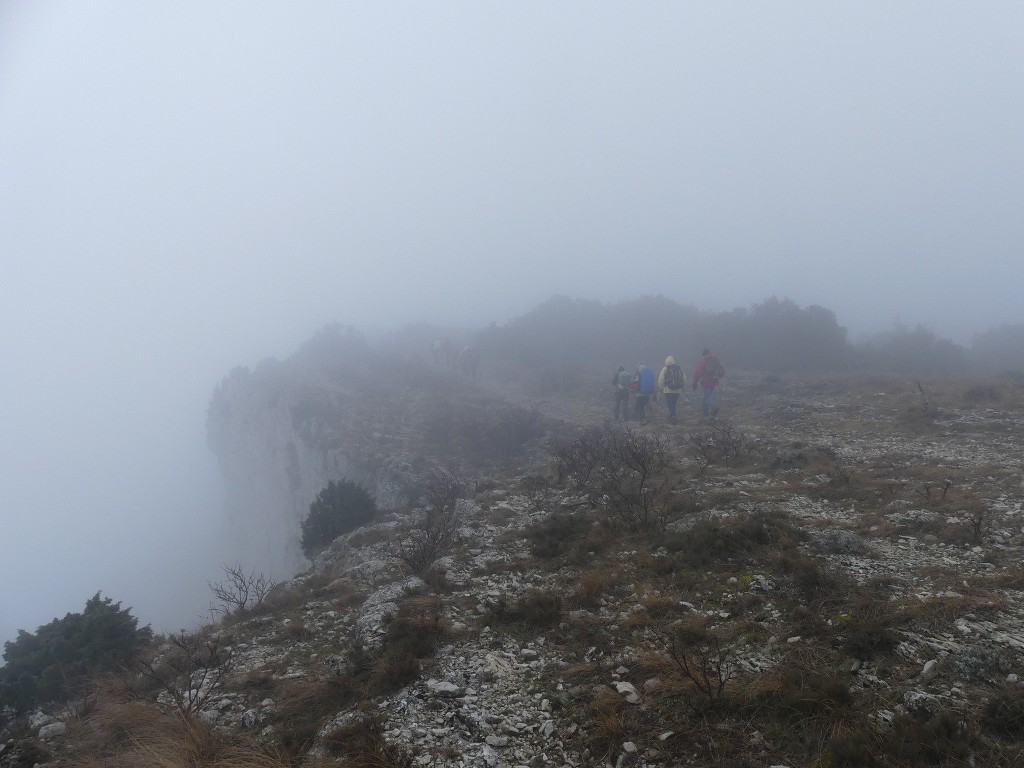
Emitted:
pixel 535 609
pixel 361 743
pixel 135 735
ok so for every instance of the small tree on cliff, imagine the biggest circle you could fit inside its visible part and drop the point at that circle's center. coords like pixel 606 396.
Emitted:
pixel 61 655
pixel 338 508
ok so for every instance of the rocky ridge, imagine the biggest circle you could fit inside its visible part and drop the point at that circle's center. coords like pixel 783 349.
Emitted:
pixel 917 509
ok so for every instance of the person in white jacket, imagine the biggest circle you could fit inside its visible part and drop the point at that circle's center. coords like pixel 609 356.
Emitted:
pixel 671 382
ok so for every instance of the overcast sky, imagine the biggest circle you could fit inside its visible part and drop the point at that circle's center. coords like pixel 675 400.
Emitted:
pixel 189 186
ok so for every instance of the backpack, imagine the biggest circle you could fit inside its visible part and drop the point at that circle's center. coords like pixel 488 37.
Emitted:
pixel 674 378
pixel 621 381
pixel 714 369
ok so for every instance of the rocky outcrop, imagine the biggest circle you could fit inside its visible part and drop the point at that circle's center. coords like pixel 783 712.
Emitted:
pixel 281 433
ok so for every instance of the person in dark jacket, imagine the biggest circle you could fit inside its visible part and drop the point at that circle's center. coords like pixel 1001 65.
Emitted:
pixel 709 372
pixel 621 381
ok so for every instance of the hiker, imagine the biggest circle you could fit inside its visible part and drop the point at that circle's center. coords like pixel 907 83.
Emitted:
pixel 645 390
pixel 671 382
pixel 709 372
pixel 621 381
pixel 470 359
pixel 451 353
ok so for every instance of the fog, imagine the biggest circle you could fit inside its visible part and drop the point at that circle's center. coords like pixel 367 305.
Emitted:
pixel 185 187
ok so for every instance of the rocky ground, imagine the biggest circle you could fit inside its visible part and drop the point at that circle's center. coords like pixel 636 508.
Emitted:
pixel 833 578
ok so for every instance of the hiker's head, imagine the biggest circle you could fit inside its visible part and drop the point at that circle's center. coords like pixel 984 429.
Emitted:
pixel 706 351
pixel 621 369
pixel 670 360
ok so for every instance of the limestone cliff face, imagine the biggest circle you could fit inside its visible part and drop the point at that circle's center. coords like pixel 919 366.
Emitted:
pixel 283 431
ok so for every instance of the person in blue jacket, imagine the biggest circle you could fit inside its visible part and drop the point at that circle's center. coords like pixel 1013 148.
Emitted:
pixel 645 391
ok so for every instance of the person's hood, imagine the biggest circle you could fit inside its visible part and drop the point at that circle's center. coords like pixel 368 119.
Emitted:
pixel 670 360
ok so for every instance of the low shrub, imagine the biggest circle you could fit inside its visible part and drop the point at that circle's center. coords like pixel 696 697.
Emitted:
pixel 554 535
pixel 430 532
pixel 622 472
pixel 714 541
pixel 1004 714
pixel 339 508
pixel 361 742
pixel 940 739
pixel 536 609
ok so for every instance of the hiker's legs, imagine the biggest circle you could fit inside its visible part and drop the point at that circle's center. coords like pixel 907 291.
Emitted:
pixel 622 404
pixel 670 401
pixel 640 407
pixel 710 404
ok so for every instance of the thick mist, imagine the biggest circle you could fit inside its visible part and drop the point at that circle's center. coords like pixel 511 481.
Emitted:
pixel 188 187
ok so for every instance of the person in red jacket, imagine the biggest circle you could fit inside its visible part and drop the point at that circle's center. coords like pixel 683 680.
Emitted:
pixel 709 372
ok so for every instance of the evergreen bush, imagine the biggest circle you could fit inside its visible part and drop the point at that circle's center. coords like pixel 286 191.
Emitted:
pixel 53 662
pixel 339 508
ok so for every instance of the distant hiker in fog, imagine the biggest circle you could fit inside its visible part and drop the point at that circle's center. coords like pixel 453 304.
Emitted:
pixel 621 381
pixel 709 372
pixel 644 392
pixel 671 382
pixel 470 359
pixel 451 353
pixel 437 349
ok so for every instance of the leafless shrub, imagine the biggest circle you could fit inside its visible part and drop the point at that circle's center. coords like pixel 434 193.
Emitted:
pixel 618 469
pixel 838 475
pixel 978 520
pixel 631 483
pixel 540 493
pixel 702 658
pixel 431 532
pixel 239 591
pixel 577 459
pixel 718 442
pixel 187 675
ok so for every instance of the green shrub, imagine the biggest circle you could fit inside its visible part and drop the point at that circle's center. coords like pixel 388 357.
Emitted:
pixel 337 509
pixel 61 655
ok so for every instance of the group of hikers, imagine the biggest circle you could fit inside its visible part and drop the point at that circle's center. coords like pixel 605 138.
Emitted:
pixel 467 358
pixel 644 387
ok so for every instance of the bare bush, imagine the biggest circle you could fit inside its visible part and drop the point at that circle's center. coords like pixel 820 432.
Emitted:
pixel 239 591
pixel 431 532
pixel 717 443
pixel 978 520
pixel 631 483
pixel 618 469
pixel 187 675
pixel 702 658
pixel 576 460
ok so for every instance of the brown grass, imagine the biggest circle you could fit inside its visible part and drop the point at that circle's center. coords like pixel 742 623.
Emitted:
pixel 593 584
pixel 361 743
pixel 135 735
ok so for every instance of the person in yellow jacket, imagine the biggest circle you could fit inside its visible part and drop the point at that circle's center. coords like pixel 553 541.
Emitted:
pixel 671 382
